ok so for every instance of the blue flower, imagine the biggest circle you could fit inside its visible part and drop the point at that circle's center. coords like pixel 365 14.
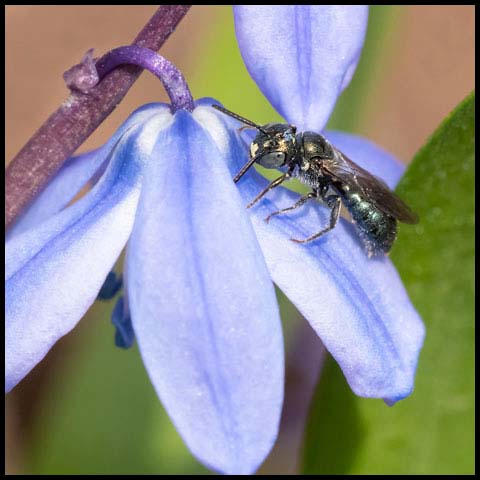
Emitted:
pixel 198 269
pixel 199 294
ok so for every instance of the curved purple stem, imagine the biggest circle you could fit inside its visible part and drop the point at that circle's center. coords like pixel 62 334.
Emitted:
pixel 172 79
pixel 76 118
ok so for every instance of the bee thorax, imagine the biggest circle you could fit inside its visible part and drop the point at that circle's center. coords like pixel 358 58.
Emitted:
pixel 308 175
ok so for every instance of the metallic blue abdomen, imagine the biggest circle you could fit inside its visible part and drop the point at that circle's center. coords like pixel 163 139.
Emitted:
pixel 377 229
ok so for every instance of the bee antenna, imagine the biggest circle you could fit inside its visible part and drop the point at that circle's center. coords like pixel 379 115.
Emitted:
pixel 240 118
pixel 244 169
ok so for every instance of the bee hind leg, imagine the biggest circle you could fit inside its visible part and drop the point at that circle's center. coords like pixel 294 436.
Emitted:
pixel 299 203
pixel 334 202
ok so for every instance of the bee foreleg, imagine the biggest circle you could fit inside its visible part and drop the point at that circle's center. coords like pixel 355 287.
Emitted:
pixel 334 202
pixel 299 203
pixel 274 184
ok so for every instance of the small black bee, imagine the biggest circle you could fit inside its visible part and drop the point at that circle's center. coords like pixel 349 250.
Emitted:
pixel 334 178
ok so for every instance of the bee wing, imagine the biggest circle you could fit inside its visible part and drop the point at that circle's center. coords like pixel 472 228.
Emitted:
pixel 374 189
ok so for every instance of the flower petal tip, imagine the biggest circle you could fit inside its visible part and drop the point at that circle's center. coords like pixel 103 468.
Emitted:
pixel 209 332
pixel 301 56
pixel 391 401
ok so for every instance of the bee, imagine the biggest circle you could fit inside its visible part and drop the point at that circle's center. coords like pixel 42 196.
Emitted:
pixel 333 178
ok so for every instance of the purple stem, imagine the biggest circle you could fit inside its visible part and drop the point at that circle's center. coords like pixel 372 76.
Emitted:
pixel 167 72
pixel 76 119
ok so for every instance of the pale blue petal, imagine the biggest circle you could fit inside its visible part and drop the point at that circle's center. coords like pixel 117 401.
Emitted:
pixel 358 306
pixel 301 56
pixel 74 175
pixel 54 271
pixel 203 306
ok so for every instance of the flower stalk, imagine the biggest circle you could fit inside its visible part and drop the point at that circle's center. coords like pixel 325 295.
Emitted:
pixel 172 79
pixel 77 118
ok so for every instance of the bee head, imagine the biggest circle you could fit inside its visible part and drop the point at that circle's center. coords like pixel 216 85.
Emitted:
pixel 274 145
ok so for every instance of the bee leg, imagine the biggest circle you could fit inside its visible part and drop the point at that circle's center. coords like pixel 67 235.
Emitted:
pixel 245 127
pixel 300 202
pixel 333 201
pixel 274 184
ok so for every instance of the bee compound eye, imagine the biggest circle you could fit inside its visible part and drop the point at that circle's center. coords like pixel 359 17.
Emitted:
pixel 272 160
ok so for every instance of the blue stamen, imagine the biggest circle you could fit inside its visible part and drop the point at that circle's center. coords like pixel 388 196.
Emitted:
pixel 124 334
pixel 111 286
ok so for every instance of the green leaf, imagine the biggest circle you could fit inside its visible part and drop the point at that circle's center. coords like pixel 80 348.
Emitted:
pixel 432 431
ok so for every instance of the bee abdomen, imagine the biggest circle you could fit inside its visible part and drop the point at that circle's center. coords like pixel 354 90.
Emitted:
pixel 376 229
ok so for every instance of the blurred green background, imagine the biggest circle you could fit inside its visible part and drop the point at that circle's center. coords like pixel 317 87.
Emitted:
pixel 89 407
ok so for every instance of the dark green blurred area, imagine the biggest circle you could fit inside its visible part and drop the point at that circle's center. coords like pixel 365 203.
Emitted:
pixel 432 431
pixel 98 412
